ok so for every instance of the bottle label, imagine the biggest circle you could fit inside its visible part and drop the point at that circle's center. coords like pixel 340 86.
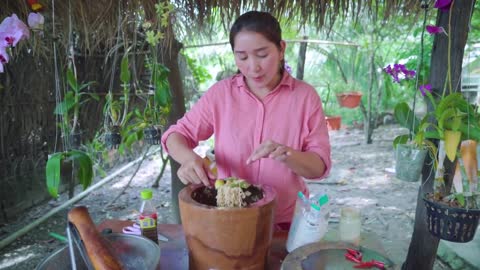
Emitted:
pixel 147 222
pixel 148 226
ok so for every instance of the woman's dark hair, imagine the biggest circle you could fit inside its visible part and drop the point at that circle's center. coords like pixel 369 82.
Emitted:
pixel 260 22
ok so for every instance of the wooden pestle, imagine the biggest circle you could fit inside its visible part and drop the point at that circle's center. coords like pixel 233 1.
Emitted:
pixel 98 250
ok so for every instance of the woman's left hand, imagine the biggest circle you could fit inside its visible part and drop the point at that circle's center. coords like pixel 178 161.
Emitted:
pixel 270 149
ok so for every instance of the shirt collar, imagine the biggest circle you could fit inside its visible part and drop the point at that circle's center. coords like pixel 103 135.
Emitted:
pixel 287 80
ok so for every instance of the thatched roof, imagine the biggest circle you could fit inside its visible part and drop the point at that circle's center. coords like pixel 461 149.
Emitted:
pixel 96 22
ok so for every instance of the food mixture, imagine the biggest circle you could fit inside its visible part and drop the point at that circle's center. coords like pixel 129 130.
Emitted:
pixel 235 192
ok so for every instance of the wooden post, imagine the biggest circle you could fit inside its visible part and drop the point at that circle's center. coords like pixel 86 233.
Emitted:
pixel 170 58
pixel 301 58
pixel 423 246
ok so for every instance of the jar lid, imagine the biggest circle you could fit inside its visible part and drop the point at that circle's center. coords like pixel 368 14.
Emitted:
pixel 350 212
pixel 146 194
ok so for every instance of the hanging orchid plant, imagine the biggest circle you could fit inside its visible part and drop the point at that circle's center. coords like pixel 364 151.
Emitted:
pixel 455 120
pixel 13 30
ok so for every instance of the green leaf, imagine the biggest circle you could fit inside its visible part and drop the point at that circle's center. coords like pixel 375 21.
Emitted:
pixel 406 117
pixel 471 131
pixel 444 117
pixel 131 138
pixel 85 85
pixel 124 71
pixel 52 172
pixel 401 139
pixel 460 199
pixel 66 105
pixel 162 95
pixel 85 169
pixel 72 81
pixel 94 96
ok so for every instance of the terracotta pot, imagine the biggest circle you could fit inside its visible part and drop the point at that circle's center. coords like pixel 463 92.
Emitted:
pixel 333 122
pixel 227 238
pixel 349 99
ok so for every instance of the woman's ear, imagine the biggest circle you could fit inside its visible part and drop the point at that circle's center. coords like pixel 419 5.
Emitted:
pixel 283 46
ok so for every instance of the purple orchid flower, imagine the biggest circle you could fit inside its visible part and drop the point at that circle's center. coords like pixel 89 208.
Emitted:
pixel 3 57
pixel 443 5
pixel 288 68
pixel 425 88
pixel 399 69
pixel 36 21
pixel 431 29
pixel 13 31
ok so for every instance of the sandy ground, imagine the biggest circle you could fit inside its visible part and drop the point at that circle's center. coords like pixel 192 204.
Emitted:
pixel 360 177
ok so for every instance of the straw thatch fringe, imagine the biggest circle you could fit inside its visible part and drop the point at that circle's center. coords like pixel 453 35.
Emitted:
pixel 95 22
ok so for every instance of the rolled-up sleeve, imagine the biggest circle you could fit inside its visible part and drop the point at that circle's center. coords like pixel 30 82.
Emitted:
pixel 317 139
pixel 196 125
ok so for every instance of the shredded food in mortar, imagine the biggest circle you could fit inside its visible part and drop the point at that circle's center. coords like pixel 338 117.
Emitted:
pixel 231 192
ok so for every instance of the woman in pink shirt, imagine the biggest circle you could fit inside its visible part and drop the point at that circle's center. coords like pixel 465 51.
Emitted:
pixel 269 128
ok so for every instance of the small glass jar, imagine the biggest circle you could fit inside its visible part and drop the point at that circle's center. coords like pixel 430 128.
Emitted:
pixel 350 225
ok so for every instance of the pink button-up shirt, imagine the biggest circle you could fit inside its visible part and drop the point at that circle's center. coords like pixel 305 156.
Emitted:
pixel 291 114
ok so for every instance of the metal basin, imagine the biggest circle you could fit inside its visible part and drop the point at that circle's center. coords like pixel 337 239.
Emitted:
pixel 135 252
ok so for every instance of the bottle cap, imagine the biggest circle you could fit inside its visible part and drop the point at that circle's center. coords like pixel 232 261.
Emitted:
pixel 146 194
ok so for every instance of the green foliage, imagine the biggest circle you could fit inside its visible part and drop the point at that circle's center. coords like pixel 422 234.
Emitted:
pixel 75 97
pixel 162 95
pixel 84 167
pixel 125 74
pixel 417 127
pixel 199 72
pixel 453 112
pixel 117 109
pixel 98 153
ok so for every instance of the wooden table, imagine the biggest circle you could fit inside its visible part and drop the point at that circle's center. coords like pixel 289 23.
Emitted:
pixel 174 253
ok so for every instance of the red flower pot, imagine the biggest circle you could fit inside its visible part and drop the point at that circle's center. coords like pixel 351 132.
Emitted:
pixel 333 122
pixel 349 99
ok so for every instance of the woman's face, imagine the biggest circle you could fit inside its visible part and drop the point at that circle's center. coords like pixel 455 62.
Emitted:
pixel 258 59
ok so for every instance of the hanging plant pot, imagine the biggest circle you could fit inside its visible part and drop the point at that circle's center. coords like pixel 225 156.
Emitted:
pixel 333 122
pixel 152 135
pixel 450 223
pixel 409 162
pixel 349 99
pixel 76 139
pixel 113 137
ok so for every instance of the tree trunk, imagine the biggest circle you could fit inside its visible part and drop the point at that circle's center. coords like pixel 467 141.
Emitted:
pixel 170 59
pixel 370 122
pixel 301 58
pixel 423 246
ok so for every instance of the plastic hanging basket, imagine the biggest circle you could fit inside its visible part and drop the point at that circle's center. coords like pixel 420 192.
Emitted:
pixel 451 224
pixel 76 139
pixel 409 162
pixel 152 135
pixel 113 137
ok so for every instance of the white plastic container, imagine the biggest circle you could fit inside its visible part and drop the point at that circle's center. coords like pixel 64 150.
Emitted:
pixel 309 224
pixel 350 225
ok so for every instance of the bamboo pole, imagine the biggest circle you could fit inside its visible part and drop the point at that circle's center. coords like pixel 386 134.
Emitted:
pixel 314 41
pixel 5 242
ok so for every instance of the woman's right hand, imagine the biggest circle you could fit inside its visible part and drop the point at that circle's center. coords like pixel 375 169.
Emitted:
pixel 195 171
